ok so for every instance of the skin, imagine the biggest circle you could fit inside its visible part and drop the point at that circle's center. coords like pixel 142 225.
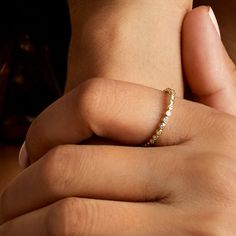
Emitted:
pixel 121 40
pixel 121 53
pixel 72 199
pixel 225 14
pixel 186 188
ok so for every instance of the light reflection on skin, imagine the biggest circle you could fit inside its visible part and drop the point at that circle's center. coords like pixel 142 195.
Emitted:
pixel 225 12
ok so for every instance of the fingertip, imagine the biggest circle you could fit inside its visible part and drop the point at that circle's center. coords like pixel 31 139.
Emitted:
pixel 208 68
pixel 199 20
pixel 195 15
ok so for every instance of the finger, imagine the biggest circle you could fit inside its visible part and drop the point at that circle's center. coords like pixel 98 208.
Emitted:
pixel 120 111
pixel 98 172
pixel 209 70
pixel 74 216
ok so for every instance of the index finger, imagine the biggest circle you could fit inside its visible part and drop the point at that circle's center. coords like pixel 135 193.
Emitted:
pixel 121 111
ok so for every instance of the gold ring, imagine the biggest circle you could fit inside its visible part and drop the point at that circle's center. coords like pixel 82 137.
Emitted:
pixel 156 136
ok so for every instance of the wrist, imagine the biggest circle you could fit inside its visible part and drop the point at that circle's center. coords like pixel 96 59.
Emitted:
pixel 138 42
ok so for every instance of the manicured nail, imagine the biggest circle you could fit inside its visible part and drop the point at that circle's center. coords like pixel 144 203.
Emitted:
pixel 214 21
pixel 23 157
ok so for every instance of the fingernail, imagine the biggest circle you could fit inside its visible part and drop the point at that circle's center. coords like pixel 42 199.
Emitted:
pixel 23 157
pixel 214 21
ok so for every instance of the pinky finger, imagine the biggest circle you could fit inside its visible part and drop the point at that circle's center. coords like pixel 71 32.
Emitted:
pixel 74 216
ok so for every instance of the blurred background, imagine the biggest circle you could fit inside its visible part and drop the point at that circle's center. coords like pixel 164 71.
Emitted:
pixel 34 39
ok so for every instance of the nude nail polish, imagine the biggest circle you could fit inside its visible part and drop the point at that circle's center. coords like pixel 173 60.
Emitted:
pixel 23 157
pixel 214 21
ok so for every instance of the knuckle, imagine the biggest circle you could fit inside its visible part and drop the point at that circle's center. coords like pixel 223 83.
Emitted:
pixel 60 165
pixel 94 100
pixel 69 217
pixel 62 219
pixel 54 169
pixel 91 94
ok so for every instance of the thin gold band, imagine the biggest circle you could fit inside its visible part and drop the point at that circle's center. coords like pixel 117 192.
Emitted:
pixel 156 136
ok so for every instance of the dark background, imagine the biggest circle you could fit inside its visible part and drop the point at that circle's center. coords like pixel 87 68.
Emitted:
pixel 35 78
pixel 48 19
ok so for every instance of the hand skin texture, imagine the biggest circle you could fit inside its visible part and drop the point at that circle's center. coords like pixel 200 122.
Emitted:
pixel 136 41
pixel 187 188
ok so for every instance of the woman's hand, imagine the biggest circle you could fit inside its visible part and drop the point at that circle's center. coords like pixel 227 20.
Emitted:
pixel 136 41
pixel 185 188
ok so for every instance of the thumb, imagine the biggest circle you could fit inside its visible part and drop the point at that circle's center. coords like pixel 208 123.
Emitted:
pixel 209 70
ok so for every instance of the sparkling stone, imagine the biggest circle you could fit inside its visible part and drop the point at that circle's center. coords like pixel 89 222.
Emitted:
pixel 154 137
pixel 165 120
pixel 162 126
pixel 158 133
pixel 171 107
pixel 168 113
